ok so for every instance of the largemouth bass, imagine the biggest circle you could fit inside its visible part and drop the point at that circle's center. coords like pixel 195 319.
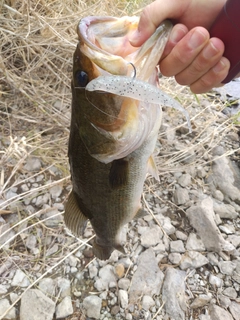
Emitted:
pixel 116 115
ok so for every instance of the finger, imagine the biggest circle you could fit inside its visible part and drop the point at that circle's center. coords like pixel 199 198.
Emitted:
pixel 207 59
pixel 152 16
pixel 177 33
pixel 150 19
pixel 212 78
pixel 185 51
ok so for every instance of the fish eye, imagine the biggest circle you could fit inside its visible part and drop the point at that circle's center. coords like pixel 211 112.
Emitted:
pixel 81 78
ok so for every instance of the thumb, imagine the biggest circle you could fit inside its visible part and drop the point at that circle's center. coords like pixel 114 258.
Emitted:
pixel 152 16
pixel 146 26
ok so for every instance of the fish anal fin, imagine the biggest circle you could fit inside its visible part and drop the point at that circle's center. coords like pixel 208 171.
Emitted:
pixel 118 175
pixel 140 214
pixel 74 219
pixel 152 168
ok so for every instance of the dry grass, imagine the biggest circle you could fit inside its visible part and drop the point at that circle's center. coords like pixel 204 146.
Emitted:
pixel 38 39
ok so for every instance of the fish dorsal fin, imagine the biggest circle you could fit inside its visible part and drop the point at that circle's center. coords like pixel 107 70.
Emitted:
pixel 118 175
pixel 74 219
pixel 152 168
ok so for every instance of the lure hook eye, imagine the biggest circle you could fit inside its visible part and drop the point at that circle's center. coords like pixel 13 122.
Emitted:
pixel 134 70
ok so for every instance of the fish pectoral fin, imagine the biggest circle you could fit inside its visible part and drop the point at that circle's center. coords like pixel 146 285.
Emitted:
pixel 118 175
pixel 140 214
pixel 74 219
pixel 152 168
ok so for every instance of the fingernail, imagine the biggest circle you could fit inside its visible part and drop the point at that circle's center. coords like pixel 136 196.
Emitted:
pixel 197 39
pixel 219 66
pixel 176 35
pixel 210 51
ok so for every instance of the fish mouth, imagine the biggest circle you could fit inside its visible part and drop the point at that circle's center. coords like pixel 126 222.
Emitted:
pixel 117 125
pixel 105 41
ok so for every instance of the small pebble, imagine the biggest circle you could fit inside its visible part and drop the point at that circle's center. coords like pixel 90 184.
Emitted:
pixel 119 269
pixel 227 267
pixel 215 281
pixel 230 292
pixel 64 308
pixel 123 298
pixel 92 305
pixel 147 302
pixel 177 246
pixel 124 283
pixel 4 305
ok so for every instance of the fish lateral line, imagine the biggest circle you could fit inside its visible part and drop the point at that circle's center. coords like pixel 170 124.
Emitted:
pixel 136 89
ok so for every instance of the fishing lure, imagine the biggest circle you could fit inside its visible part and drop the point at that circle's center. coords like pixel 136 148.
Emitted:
pixel 136 89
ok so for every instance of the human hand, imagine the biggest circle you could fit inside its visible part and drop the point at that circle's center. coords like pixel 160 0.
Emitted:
pixel 190 55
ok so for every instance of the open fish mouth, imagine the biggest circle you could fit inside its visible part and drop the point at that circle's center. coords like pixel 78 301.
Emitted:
pixel 105 41
pixel 123 70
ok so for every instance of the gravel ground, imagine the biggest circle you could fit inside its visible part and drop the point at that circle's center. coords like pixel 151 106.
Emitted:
pixel 182 260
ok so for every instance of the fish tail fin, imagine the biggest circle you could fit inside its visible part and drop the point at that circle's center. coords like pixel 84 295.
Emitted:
pixel 74 219
pixel 104 252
